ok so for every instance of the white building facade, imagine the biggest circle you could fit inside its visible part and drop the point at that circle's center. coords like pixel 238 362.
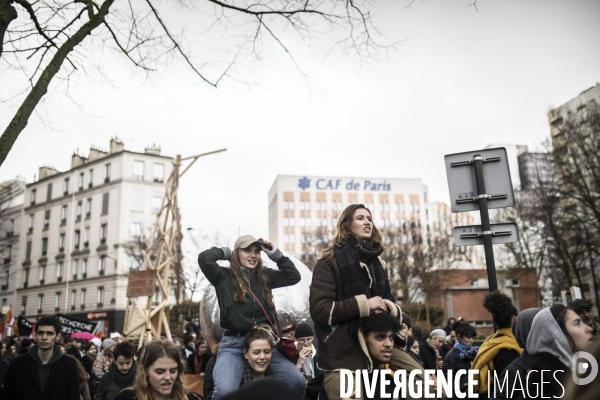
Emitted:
pixel 78 228
pixel 302 205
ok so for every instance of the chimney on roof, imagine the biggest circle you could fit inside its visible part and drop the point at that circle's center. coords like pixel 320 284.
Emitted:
pixel 77 160
pixel 116 145
pixel 96 153
pixel 154 150
pixel 47 171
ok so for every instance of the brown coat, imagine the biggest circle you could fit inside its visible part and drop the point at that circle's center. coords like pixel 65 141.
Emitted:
pixel 332 315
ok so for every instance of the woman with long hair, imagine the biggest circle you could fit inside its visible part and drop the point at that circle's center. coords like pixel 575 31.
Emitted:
pixel 556 334
pixel 84 377
pixel 196 363
pixel 258 351
pixel 349 282
pixel 243 291
pixel 160 375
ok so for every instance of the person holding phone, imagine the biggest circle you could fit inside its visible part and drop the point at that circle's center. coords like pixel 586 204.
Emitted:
pixel 238 288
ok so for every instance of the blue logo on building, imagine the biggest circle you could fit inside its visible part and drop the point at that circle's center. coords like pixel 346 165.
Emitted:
pixel 304 183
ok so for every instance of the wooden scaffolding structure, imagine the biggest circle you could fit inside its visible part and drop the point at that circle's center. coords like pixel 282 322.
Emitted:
pixel 148 321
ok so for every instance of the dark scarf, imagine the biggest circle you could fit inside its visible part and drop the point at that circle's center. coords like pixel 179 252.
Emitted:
pixel 249 374
pixel 127 379
pixel 355 280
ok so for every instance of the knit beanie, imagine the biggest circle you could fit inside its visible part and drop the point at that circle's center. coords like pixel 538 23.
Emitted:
pixel 406 320
pixel 437 332
pixel 107 343
pixel 303 330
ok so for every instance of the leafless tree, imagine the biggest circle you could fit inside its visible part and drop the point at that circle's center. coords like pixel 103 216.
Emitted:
pixel 47 40
pixel 313 242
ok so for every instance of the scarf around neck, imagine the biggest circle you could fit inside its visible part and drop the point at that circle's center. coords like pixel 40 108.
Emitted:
pixel 465 352
pixel 127 379
pixel 355 279
pixel 484 362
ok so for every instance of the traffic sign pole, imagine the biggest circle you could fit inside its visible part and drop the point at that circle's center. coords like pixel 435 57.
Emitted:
pixel 485 223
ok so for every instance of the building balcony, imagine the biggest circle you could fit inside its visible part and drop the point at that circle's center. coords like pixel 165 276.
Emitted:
pixel 59 279
pixel 107 179
pixel 76 246
pixel 39 310
pixel 73 307
pixel 30 230
pixel 88 215
pixel 100 305
pixel 66 193
pixel 82 306
pixel 46 226
pixel 42 281
pixel 56 309
pixel 4 287
pixel 86 244
pixel 74 277
pixel 80 188
pixel 61 249
pixel 101 272
pixel 84 275
pixel 90 185
pixel 78 219
pixel 63 221
pixel 25 284
pixel 103 241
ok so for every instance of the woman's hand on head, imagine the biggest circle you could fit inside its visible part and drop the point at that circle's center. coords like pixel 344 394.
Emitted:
pixel 376 304
pixel 264 243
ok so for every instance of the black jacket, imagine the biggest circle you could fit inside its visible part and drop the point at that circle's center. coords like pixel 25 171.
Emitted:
pixel 22 380
pixel 428 355
pixel 190 363
pixel 453 363
pixel 209 383
pixel 3 371
pixel 553 384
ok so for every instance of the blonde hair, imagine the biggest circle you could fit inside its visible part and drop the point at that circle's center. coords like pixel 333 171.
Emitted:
pixel 154 351
pixel 258 273
pixel 344 230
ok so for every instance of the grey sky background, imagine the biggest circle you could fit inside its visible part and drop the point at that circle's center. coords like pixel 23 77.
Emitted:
pixel 461 79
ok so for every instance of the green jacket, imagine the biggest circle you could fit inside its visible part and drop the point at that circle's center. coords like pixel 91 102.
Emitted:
pixel 241 317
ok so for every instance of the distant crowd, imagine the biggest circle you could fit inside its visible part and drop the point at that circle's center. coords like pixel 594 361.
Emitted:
pixel 356 324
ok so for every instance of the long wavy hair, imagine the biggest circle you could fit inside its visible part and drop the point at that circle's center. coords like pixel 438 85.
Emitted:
pixel 154 351
pixel 257 274
pixel 343 231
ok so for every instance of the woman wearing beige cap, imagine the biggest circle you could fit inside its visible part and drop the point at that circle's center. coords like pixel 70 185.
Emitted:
pixel 239 287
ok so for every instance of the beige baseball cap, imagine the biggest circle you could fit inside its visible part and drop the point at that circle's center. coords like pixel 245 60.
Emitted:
pixel 245 241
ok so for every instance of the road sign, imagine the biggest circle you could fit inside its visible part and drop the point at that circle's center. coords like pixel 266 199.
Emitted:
pixel 462 182
pixel 473 235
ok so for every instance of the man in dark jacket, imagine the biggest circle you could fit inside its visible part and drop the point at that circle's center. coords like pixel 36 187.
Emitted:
pixel 121 373
pixel 44 373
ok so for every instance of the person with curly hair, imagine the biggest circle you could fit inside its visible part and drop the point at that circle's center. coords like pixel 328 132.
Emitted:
pixel 349 282
pixel 160 376
pixel 239 288
pixel 501 348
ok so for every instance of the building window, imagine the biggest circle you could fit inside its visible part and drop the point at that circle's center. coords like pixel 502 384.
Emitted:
pixel 49 192
pixel 32 197
pixel 40 303
pixel 400 207
pixel 305 205
pixel 138 170
pixel 57 300
pixel 79 207
pixel 59 271
pixel 77 239
pixel 75 262
pixel 103 232
pixel 105 203
pixel 80 184
pixel 8 253
pixel 11 228
pixel 86 237
pixel 474 282
pixel 28 250
pixel 42 274
pixel 46 219
pixel 91 182
pixel 107 173
pixel 25 278
pixel 44 246
pixel 30 224
pixel 63 215
pixel 82 304
pixel 5 279
pixel 102 265
pixel 61 243
pixel 73 299
pixel 24 305
pixel 156 204
pixel 88 207
pixel 100 299
pixel 136 231
pixel 288 205
pixel 84 265
pixel 137 200
pixel 66 186
pixel 159 172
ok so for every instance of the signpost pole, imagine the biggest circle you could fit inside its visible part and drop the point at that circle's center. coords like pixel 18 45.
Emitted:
pixel 485 224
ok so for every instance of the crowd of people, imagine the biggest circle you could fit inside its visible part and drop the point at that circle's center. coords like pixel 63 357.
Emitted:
pixel 356 325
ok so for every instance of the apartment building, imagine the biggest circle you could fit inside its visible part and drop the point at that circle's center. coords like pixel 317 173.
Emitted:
pixel 12 194
pixel 79 228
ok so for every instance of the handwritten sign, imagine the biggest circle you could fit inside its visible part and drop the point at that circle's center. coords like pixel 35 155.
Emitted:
pixel 141 283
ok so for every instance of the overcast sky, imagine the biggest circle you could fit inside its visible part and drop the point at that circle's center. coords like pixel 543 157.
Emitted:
pixel 460 80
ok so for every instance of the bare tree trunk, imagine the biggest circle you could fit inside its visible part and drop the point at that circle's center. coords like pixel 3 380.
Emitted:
pixel 7 14
pixel 19 121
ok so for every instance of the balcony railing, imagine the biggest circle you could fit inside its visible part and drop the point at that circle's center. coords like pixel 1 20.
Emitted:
pixel 41 281
pixel 100 305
